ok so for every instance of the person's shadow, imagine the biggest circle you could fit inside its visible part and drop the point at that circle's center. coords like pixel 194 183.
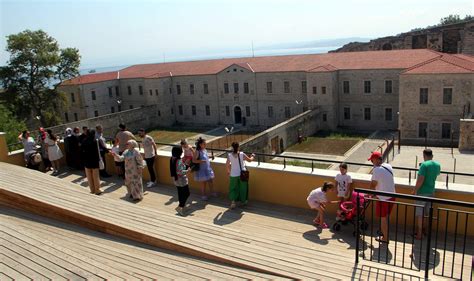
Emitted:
pixel 313 236
pixel 228 216
pixel 191 207
pixel 418 256
pixel 381 254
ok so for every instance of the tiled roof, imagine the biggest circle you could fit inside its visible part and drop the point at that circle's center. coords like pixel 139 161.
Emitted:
pixel 411 60
pixel 92 78
pixel 444 64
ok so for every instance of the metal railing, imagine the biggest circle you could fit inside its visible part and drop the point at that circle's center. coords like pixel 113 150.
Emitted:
pixel 423 256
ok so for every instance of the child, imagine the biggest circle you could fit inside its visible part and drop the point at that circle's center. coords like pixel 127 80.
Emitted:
pixel 204 174
pixel 188 152
pixel 343 183
pixel 116 154
pixel 178 172
pixel 317 200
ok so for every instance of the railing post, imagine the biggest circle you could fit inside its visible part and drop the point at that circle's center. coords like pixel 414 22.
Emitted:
pixel 447 180
pixel 284 163
pixel 409 177
pixel 312 166
pixel 454 174
pixel 428 241
pixel 357 228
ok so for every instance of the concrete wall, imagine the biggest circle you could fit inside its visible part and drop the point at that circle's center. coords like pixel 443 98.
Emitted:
pixel 435 112
pixel 466 135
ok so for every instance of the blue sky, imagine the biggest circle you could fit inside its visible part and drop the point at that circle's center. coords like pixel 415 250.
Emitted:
pixel 111 33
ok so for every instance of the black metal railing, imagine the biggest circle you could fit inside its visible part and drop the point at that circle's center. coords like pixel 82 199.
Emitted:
pixel 404 250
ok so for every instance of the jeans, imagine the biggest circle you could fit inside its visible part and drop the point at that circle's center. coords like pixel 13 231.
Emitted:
pixel 151 169
pixel 183 194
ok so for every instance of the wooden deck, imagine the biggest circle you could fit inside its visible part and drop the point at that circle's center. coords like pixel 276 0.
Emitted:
pixel 264 238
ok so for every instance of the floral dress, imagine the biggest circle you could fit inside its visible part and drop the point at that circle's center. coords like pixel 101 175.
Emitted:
pixel 133 178
pixel 205 172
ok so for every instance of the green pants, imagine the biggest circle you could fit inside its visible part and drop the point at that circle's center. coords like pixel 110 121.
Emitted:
pixel 238 190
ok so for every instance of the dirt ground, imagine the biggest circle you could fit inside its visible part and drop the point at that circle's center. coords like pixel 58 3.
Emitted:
pixel 324 146
pixel 226 141
pixel 172 136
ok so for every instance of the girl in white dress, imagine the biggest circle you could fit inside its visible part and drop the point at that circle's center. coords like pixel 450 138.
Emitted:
pixel 54 152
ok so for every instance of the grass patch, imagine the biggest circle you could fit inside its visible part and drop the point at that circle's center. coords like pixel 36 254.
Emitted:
pixel 300 163
pixel 340 135
pixel 170 135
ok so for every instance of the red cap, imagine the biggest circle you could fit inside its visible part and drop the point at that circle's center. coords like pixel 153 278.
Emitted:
pixel 375 154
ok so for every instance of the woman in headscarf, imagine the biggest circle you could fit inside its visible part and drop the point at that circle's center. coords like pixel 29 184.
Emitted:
pixel 67 147
pixel 133 170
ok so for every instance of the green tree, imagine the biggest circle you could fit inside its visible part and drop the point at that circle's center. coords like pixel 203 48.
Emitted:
pixel 10 125
pixel 454 19
pixel 30 79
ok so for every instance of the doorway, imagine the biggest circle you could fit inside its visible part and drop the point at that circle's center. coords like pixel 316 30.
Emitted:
pixel 237 115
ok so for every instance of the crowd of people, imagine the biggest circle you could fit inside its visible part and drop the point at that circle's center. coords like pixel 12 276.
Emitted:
pixel 87 151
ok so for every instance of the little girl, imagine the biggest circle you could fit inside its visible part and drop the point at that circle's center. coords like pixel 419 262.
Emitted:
pixel 317 200
pixel 205 174
pixel 188 152
pixel 178 171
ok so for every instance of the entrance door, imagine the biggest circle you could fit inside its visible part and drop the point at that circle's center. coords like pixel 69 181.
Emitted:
pixel 238 115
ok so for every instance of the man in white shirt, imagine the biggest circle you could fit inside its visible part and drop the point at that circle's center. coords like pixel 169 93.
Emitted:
pixel 382 180
pixel 149 147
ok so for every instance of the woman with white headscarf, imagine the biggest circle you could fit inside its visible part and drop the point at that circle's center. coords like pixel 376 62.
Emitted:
pixel 133 170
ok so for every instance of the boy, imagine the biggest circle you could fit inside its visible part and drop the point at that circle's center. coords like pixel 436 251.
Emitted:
pixel 343 183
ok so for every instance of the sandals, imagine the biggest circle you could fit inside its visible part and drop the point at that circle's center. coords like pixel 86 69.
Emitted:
pixel 380 240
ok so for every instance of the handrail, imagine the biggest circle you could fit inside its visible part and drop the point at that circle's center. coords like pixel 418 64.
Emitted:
pixel 416 197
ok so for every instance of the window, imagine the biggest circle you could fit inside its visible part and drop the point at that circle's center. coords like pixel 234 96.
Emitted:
pixel 446 130
pixel 226 88
pixel 315 90
pixel 119 108
pixel 423 95
pixel 227 110
pixel 180 110
pixel 130 107
pixel 96 113
pixel 117 93
pixel 73 98
pixel 247 111
pixel 270 111
pixel 236 88
pixel 367 87
pixel 191 89
pixel 346 87
pixel 129 89
pixel 347 113
pixel 156 92
pixel 75 117
pixel 140 90
pixel 193 110
pixel 178 89
pixel 93 95
pixel 325 117
pixel 206 88
pixel 286 87
pixel 287 112
pixel 388 114
pixel 208 110
pixel 447 95
pixel 269 88
pixel 323 90
pixel 388 86
pixel 112 109
pixel 151 92
pixel 367 113
pixel 171 90
pixel 66 116
pixel 172 111
pixel 304 87
pixel 159 113
pixel 246 88
pixel 110 92
pixel 422 130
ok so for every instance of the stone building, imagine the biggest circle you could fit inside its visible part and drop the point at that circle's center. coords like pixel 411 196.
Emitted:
pixel 353 90
pixel 455 38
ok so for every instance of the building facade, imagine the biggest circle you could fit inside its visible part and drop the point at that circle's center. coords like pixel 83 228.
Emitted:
pixel 357 90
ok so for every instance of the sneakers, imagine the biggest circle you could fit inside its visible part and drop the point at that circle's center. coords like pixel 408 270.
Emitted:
pixel 324 225
pixel 204 198
pixel 180 211
pixel 150 184
pixel 232 205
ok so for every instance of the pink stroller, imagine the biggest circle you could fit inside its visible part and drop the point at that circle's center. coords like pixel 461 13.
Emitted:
pixel 347 212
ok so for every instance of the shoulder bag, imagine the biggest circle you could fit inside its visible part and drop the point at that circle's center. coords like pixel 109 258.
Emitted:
pixel 101 162
pixel 244 175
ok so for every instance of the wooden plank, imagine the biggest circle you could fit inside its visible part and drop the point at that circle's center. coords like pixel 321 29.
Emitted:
pixel 40 271
pixel 9 259
pixel 4 276
pixel 10 272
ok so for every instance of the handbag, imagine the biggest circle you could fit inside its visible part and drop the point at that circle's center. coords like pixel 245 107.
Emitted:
pixel 244 175
pixel 101 162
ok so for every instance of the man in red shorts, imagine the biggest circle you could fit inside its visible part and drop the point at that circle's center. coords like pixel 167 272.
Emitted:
pixel 382 180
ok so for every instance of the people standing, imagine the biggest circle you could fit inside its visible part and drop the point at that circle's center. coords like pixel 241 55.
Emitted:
pixel 99 135
pixel 425 186
pixel 178 170
pixel 75 149
pixel 382 180
pixel 41 141
pixel 205 174
pixel 343 183
pixel 91 157
pixel 188 152
pixel 238 188
pixel 54 152
pixel 149 147
pixel 122 137
pixel 29 150
pixel 133 170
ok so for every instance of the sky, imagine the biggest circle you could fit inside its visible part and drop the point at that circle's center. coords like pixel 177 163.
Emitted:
pixel 123 32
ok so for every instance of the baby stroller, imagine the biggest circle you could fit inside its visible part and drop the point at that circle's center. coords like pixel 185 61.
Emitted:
pixel 347 212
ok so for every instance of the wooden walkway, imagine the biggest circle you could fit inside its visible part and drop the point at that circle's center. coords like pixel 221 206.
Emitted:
pixel 265 238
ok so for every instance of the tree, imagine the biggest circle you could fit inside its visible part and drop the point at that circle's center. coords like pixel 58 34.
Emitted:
pixel 10 125
pixel 36 68
pixel 454 19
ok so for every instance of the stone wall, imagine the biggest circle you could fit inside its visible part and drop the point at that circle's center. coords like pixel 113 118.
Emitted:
pixel 453 38
pixel 466 135
pixel 145 117
pixel 277 138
